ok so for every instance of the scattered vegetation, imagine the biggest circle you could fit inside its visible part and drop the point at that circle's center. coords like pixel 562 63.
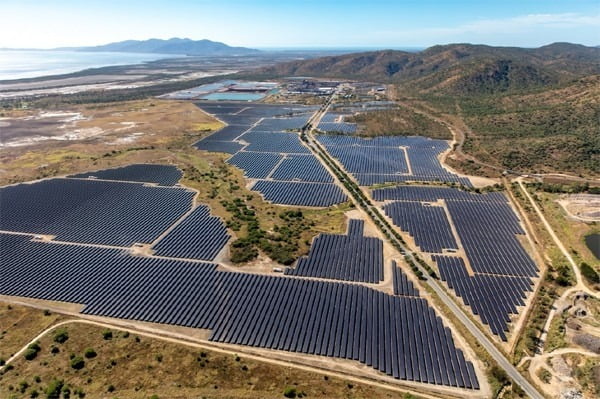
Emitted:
pixel 127 369
pixel 400 121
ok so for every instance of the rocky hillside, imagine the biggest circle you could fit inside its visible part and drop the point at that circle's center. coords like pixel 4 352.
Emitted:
pixel 459 69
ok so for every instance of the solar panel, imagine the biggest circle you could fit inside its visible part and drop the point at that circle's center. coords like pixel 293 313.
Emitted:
pixel 302 194
pixel 164 175
pixel 350 257
pixel 92 211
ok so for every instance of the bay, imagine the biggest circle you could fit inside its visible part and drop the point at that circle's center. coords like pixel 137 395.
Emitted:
pixel 22 64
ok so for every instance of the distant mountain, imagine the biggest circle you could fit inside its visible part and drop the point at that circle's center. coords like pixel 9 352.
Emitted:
pixel 454 68
pixel 172 46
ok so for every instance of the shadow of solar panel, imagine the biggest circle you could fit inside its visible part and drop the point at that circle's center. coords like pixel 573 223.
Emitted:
pixel 164 175
pixel 302 194
pixel 350 257
pixel 198 236
pixel 90 211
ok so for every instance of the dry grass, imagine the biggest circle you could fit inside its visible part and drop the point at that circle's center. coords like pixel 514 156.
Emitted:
pixel 18 324
pixel 126 127
pixel 138 367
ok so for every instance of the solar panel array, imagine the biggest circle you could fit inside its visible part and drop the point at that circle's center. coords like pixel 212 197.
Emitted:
pixel 427 224
pixel 302 168
pixel 198 236
pixel 350 257
pixel 487 228
pixel 301 194
pixel 383 159
pixel 281 124
pixel 493 298
pixel 256 165
pixel 93 211
pixel 228 147
pixel 371 160
pixel 264 150
pixel 278 142
pixel 400 336
pixel 402 285
pixel 337 127
pixel 164 175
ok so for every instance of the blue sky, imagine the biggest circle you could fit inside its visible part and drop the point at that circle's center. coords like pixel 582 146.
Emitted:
pixel 309 23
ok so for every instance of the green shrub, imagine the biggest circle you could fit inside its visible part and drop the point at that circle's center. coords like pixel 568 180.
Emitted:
pixel 32 351
pixel 107 334
pixel 290 392
pixel 77 363
pixel 90 353
pixel 53 389
pixel 61 336
pixel 589 273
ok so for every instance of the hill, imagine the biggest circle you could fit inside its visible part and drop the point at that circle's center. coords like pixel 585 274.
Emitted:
pixel 172 46
pixel 530 110
pixel 460 69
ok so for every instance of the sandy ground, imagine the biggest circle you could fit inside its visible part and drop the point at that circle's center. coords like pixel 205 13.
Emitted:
pixel 582 207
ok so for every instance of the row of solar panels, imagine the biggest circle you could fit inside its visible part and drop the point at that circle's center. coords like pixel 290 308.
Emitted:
pixel 113 213
pixel 384 159
pixel 399 336
pixel 351 257
pixel 487 227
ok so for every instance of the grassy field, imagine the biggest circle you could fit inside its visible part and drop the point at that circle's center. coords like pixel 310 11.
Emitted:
pixel 105 363
pixel 18 324
pixel 399 122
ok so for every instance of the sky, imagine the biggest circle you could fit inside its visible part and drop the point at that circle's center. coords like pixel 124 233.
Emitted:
pixel 307 24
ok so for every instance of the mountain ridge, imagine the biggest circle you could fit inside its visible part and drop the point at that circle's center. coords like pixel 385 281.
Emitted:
pixel 174 45
pixel 454 68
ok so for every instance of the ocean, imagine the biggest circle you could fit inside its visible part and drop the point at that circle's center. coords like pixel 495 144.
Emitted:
pixel 21 64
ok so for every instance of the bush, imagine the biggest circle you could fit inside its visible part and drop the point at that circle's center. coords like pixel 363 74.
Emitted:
pixel 289 392
pixel 34 394
pixel 77 363
pixel 90 353
pixel 61 336
pixel 32 351
pixel 107 334
pixel 53 389
pixel 111 388
pixel 589 273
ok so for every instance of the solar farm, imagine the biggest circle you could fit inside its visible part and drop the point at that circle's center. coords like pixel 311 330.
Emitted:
pixel 496 273
pixel 390 159
pixel 132 243
pixel 82 233
pixel 263 141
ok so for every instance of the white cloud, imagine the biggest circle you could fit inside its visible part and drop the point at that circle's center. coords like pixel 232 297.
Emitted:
pixel 542 28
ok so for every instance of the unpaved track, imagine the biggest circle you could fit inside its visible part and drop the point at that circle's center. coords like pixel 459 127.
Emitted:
pixel 195 344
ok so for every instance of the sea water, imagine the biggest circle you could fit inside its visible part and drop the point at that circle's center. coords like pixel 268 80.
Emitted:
pixel 21 64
